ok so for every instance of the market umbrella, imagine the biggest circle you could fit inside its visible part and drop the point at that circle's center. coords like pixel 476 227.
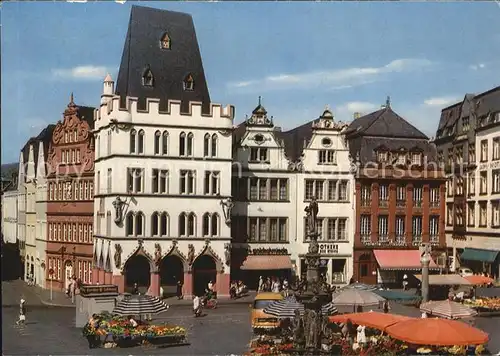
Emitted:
pixel 286 308
pixel 356 297
pixel 448 309
pixel 374 320
pixel 479 280
pixel 140 305
pixel 436 332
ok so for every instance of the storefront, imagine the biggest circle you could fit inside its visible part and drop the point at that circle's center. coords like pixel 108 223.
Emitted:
pixel 266 263
pixel 334 263
pixel 481 260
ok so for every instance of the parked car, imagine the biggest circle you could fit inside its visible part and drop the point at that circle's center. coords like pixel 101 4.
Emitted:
pixel 464 272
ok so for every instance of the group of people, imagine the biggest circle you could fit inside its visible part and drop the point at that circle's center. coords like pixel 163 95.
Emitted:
pixel 237 289
pixel 274 284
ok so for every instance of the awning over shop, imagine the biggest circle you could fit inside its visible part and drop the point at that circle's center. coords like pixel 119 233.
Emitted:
pixel 477 254
pixel 397 296
pixel 403 260
pixel 445 280
pixel 267 262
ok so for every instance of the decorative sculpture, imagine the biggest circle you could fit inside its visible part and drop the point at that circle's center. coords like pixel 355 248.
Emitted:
pixel 190 254
pixel 118 255
pixel 298 331
pixel 157 254
pixel 312 211
pixel 227 253
pixel 118 204
pixel 227 209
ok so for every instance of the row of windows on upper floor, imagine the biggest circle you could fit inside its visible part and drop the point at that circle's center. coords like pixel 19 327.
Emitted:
pixel 417 228
pixel 456 154
pixel 135 224
pixel 71 190
pixel 455 185
pixel 456 214
pixel 465 124
pixel 70 232
pixel 400 196
pixel 161 144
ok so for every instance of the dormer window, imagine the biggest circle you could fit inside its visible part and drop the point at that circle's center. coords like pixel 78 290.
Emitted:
pixel 327 142
pixel 416 158
pixel 165 41
pixel 401 158
pixel 258 138
pixel 188 83
pixel 148 78
pixel 382 156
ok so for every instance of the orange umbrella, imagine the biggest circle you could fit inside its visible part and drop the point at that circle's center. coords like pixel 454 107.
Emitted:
pixel 371 319
pixel 437 332
pixel 479 280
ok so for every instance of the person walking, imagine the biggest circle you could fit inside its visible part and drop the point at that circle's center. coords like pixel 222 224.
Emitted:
pixel 179 290
pixel 261 284
pixel 22 313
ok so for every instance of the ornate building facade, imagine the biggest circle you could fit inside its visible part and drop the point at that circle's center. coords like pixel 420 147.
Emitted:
pixel 163 165
pixel 400 191
pixel 70 189
pixel 468 142
pixel 275 176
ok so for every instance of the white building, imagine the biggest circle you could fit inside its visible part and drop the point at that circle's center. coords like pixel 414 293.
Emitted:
pixel 162 164
pixel 9 211
pixel 275 176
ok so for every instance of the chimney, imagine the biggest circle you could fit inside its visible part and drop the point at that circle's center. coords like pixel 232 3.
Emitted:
pixel 356 115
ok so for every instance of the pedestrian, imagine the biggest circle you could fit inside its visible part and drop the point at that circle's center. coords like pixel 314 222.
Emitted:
pixel 22 312
pixel 386 307
pixel 405 282
pixel 136 289
pixel 179 290
pixel 261 284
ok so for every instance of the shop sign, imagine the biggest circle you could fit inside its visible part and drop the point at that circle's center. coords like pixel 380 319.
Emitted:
pixel 328 248
pixel 489 165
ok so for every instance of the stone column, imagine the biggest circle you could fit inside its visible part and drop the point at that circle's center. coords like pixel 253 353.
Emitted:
pixel 154 288
pixel 222 284
pixel 95 275
pixel 119 280
pixel 409 214
pixel 426 211
pixel 188 285
pixel 392 211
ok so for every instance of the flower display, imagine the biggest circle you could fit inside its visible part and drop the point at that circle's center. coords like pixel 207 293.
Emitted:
pixel 484 303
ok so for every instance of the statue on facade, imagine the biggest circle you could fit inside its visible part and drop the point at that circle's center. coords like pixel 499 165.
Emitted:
pixel 312 211
pixel 190 254
pixel 227 253
pixel 157 254
pixel 298 331
pixel 118 204
pixel 227 209
pixel 118 255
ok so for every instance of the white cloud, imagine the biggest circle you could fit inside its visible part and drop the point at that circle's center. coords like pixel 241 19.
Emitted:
pixel 332 79
pixel 441 102
pixel 358 106
pixel 87 72
pixel 477 66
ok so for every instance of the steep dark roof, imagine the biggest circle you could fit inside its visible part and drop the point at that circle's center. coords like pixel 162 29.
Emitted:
pixel 86 113
pixel 169 66
pixel 489 101
pixel 295 139
pixel 44 136
pixel 384 123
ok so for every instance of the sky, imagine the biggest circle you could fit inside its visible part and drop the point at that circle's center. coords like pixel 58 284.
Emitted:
pixel 299 56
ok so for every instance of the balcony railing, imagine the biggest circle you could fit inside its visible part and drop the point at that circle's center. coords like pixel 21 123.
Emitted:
pixel 383 203
pixel 434 239
pixel 417 203
pixel 366 238
pixel 416 240
pixel 434 204
pixel 366 202
pixel 383 238
pixel 400 240
pixel 400 203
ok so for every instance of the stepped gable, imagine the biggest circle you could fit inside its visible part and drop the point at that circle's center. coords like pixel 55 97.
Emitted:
pixel 144 54
pixel 384 128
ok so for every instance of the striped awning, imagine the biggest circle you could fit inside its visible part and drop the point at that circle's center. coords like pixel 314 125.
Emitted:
pixel 267 262
pixel 140 305
pixel 286 308
pixel 448 309
pixel 402 260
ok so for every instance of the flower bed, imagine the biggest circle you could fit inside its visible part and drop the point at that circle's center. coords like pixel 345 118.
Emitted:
pixel 268 345
pixel 484 304
pixel 124 334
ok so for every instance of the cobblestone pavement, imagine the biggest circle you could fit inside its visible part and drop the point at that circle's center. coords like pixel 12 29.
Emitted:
pixel 50 330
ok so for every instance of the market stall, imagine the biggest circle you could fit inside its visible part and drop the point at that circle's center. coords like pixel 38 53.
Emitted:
pixel 484 306
pixel 116 331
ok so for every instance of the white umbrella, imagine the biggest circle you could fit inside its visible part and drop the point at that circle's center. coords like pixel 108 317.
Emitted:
pixel 448 309
pixel 286 308
pixel 356 297
pixel 140 305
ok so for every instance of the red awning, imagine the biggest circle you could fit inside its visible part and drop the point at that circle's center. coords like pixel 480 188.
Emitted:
pixel 263 262
pixel 400 260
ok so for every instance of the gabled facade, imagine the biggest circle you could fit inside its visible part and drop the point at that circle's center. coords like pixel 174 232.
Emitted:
pixel 9 209
pixel 400 192
pixel 275 176
pixel 21 206
pixel 70 189
pixel 468 142
pixel 163 165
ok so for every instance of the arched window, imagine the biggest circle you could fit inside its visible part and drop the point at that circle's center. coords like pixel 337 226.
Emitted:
pixel 140 142
pixel 214 145
pixel 148 78
pixel 205 225
pixel 191 225
pixel 189 148
pixel 182 144
pixel 164 224
pixel 157 142
pixel 164 146
pixel 165 41
pixel 154 224
pixel 139 224
pixel 206 145
pixel 182 224
pixel 214 224
pixel 129 224
pixel 188 82
pixel 133 135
